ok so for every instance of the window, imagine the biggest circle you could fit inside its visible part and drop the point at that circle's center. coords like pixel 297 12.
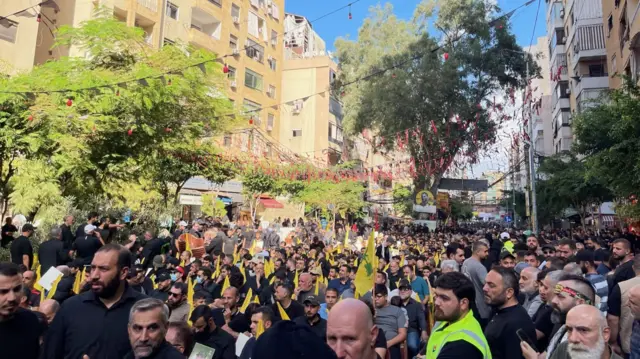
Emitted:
pixel 255 50
pixel 609 25
pixel 251 109
pixel 194 26
pixel 274 38
pixel 272 91
pixel 297 133
pixel 335 133
pixel 232 73
pixel 561 39
pixel 616 3
pixel 8 30
pixel 233 42
pixel 252 24
pixel 216 2
pixel 271 118
pixel 272 64
pixel 235 11
pixel 172 11
pixel 168 42
pixel 563 90
pixel 227 141
pixel 597 70
pixel 253 80
pixel 614 65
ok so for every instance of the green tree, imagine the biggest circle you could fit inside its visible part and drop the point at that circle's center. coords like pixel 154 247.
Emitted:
pixel 98 141
pixel 461 210
pixel 333 197
pixel 254 184
pixel 423 91
pixel 402 200
pixel 212 206
pixel 568 184
pixel 520 202
pixel 608 135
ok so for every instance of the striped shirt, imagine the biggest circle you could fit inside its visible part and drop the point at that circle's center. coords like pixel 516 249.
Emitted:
pixel 602 289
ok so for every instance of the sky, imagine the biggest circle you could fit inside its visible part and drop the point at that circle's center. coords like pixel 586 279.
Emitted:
pixel 338 25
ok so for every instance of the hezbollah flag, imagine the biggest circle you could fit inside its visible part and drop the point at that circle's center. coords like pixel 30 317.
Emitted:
pixel 366 275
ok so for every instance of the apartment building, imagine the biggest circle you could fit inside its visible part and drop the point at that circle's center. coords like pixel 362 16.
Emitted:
pixel 578 62
pixel 310 124
pixel 540 111
pixel 622 23
pixel 249 31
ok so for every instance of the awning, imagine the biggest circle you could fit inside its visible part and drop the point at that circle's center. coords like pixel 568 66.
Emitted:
pixel 225 200
pixel 271 203
pixel 608 219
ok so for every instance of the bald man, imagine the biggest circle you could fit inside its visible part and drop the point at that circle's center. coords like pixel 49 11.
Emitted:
pixel 351 332
pixel 49 308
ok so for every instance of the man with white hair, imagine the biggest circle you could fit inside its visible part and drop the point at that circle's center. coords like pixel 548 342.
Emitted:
pixel 448 266
pixel 529 286
pixel 587 337
pixel 148 323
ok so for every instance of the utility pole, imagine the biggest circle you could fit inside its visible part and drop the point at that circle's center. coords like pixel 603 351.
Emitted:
pixel 532 166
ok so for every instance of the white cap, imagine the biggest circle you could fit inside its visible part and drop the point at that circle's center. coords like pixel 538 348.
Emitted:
pixel 89 228
pixel 182 223
pixel 504 235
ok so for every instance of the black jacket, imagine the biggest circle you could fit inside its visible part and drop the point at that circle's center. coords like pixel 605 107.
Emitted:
pixel 52 254
pixel 164 351
pixel 64 290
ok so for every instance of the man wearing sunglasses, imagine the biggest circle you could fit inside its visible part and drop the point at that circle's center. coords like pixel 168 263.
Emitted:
pixel 177 303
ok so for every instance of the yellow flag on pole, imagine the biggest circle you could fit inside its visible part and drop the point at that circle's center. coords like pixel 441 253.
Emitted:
pixel 78 281
pixel 37 286
pixel 225 284
pixel 317 290
pixel 283 314
pixel 346 238
pixel 365 277
pixel 54 286
pixel 247 301
pixel 190 285
pixel 259 328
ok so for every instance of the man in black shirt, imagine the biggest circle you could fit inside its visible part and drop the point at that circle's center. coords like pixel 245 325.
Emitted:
pixel 92 218
pixel 86 246
pixel 152 247
pixel 207 333
pixel 94 323
pixel 283 292
pixel 163 285
pixel 52 252
pixel 67 234
pixel 7 232
pixel 21 249
pixel 501 293
pixel 235 322
pixel 19 328
pixel 312 319
pixel 622 252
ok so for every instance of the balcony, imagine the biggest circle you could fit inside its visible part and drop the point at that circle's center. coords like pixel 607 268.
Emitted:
pixel 205 29
pixel 588 83
pixel 588 44
pixel 589 98
pixel 151 5
pixel 554 19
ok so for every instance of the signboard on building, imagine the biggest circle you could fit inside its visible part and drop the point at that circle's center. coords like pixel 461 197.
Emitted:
pixel 424 202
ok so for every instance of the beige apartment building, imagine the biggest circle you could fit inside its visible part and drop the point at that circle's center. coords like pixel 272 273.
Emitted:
pixel 578 62
pixel 250 32
pixel 622 23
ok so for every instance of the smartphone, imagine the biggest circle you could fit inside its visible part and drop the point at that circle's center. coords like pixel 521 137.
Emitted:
pixel 525 338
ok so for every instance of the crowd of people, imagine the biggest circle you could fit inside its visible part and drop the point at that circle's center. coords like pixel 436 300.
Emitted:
pixel 472 292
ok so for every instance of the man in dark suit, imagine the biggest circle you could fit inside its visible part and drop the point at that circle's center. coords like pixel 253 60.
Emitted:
pixel 382 251
pixel 52 252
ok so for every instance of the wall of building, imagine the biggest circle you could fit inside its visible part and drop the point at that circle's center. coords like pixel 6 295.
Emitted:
pixel 621 21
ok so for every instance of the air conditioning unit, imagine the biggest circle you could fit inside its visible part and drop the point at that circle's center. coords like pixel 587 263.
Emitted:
pixel 269 3
pixel 274 42
pixel 258 121
pixel 236 20
pixel 257 58
pixel 233 84
pixel 568 91
pixel 270 128
pixel 562 13
pixel 564 39
pixel 270 58
pixel 260 30
pixel 236 51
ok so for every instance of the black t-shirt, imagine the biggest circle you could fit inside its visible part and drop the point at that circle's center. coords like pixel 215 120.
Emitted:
pixel 295 310
pixel 319 328
pixel 86 247
pixel 614 303
pixel 501 332
pixel 622 273
pixel 239 323
pixel 6 236
pixel 20 336
pixel 459 349
pixel 543 323
pixel 21 246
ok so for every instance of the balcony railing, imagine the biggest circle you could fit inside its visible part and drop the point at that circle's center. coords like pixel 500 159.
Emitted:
pixel 149 4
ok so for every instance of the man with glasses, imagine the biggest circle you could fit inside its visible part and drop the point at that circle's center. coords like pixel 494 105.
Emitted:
pixel 391 320
pixel 417 323
pixel 177 303
pixel 311 318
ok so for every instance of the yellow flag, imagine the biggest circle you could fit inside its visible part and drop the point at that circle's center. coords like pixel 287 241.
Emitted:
pixel 190 284
pixel 153 281
pixel 244 274
pixel 273 279
pixel 259 328
pixel 366 275
pixel 77 282
pixel 295 280
pixel 54 286
pixel 346 238
pixel 247 300
pixel 225 284
pixel 436 258
pixel 317 290
pixel 268 268
pixel 283 314
pixel 36 262
pixel 217 272
pixel 256 299
pixel 37 286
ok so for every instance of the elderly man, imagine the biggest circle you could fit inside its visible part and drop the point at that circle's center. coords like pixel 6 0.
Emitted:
pixel 148 322
pixel 351 332
pixel 49 308
pixel 587 336
pixel 306 289
pixel 529 286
